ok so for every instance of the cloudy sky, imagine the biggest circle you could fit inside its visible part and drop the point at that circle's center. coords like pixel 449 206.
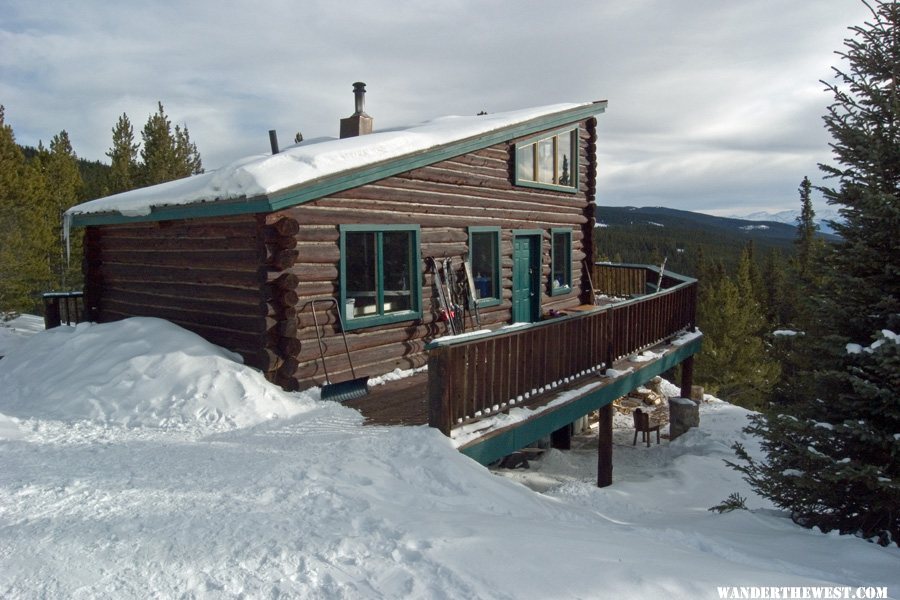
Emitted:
pixel 713 105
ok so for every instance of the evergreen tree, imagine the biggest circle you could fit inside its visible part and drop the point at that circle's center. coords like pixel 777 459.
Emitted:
pixel 734 361
pixel 166 154
pixel 64 187
pixel 123 158
pixel 806 242
pixel 833 456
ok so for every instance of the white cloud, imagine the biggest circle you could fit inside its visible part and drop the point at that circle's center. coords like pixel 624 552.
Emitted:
pixel 720 101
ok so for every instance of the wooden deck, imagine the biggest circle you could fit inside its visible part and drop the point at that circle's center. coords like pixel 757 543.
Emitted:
pixel 401 402
pixel 405 401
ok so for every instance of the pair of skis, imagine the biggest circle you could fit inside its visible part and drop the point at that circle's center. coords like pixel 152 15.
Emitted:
pixel 449 289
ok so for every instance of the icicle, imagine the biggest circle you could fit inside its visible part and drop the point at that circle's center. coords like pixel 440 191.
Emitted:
pixel 67 226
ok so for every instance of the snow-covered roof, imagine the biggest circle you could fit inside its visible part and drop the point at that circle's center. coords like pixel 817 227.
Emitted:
pixel 319 167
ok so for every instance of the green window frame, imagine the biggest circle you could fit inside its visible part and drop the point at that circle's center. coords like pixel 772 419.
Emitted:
pixel 560 261
pixel 372 292
pixel 484 258
pixel 548 161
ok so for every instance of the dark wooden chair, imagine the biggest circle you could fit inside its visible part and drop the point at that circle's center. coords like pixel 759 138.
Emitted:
pixel 642 425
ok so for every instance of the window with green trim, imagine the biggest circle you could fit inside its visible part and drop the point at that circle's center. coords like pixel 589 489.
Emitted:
pixel 561 261
pixel 548 162
pixel 484 258
pixel 380 274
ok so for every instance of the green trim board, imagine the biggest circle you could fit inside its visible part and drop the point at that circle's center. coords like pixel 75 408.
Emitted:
pixel 495 446
pixel 496 273
pixel 324 186
pixel 379 316
pixel 566 286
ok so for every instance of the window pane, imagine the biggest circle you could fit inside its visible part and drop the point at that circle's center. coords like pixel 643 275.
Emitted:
pixel 564 159
pixel 525 163
pixel 484 264
pixel 545 161
pixel 561 260
pixel 362 274
pixel 398 272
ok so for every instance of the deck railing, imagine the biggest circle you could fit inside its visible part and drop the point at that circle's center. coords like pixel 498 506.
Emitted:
pixel 63 307
pixel 476 376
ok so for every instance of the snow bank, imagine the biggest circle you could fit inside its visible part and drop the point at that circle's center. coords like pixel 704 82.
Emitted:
pixel 315 505
pixel 137 372
pixel 15 331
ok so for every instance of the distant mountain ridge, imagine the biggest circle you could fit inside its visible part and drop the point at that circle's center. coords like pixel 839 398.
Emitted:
pixel 649 234
pixel 789 217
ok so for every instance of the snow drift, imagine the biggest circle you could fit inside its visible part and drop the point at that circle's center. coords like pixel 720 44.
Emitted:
pixel 129 475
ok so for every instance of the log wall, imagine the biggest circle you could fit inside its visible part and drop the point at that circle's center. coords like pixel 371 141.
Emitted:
pixel 242 282
pixel 444 199
pixel 204 275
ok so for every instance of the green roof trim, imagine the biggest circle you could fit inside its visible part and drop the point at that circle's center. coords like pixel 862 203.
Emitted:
pixel 332 184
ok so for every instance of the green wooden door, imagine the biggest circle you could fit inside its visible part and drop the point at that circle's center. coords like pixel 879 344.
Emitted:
pixel 526 302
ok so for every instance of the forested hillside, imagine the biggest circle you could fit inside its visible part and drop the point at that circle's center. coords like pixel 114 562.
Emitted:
pixel 37 185
pixel 647 235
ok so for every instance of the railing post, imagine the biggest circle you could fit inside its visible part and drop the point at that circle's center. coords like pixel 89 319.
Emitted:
pixel 439 390
pixel 52 316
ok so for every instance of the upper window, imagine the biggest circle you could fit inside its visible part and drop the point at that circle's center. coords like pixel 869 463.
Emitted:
pixel 380 274
pixel 549 161
pixel 561 261
pixel 484 257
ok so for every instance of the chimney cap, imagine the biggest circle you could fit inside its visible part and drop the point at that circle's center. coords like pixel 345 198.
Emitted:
pixel 359 90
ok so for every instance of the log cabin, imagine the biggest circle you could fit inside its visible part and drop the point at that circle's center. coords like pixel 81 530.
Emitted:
pixel 237 254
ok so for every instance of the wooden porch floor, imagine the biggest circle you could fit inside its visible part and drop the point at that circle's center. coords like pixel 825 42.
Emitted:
pixel 401 402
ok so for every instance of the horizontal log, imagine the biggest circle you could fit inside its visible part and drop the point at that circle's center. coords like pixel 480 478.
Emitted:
pixel 254 306
pixel 315 272
pixel 281 312
pixel 288 346
pixel 281 243
pixel 220 293
pixel 252 324
pixel 285 226
pixel 245 259
pixel 339 365
pixel 456 204
pixel 282 259
pixel 107 244
pixel 318 252
pixel 110 272
pixel 410 215
pixel 284 281
pixel 244 226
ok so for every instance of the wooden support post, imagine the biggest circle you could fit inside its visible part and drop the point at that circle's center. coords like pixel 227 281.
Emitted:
pixel 52 316
pixel 561 439
pixel 439 391
pixel 687 377
pixel 604 447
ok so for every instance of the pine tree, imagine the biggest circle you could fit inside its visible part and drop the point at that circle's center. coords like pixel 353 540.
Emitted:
pixel 833 456
pixel 734 362
pixel 806 242
pixel 12 171
pixel 167 154
pixel 123 156
pixel 64 183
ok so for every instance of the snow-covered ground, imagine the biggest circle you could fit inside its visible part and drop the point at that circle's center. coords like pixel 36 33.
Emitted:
pixel 14 331
pixel 137 460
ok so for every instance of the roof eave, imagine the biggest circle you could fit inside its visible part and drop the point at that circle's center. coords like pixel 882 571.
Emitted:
pixel 332 184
